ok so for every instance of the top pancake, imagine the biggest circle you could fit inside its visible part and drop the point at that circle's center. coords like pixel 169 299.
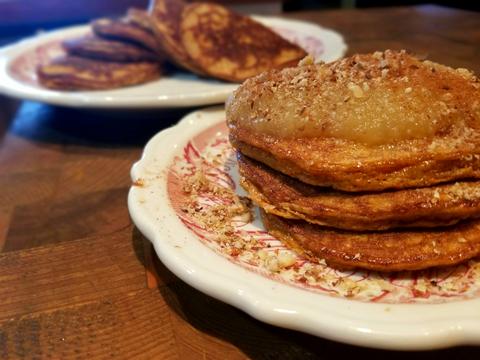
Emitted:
pixel 91 46
pixel 125 30
pixel 165 19
pixel 364 123
pixel 231 46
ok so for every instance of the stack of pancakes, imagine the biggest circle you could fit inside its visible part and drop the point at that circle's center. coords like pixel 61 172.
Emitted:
pixel 370 162
pixel 116 53
pixel 204 38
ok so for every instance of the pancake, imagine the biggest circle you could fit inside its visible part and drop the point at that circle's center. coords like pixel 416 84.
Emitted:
pixel 423 207
pixel 165 18
pixel 365 123
pixel 77 73
pixel 380 251
pixel 91 46
pixel 231 46
pixel 121 29
pixel 140 18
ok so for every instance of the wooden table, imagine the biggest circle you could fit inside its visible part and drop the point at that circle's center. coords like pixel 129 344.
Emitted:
pixel 73 278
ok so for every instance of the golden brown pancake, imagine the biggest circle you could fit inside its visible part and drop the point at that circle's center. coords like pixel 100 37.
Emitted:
pixel 381 251
pixel 365 123
pixel 165 18
pixel 231 46
pixel 122 29
pixel 91 46
pixel 77 73
pixel 423 207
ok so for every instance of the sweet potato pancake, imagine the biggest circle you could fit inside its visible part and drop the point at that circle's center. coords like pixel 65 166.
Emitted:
pixel 91 46
pixel 165 18
pixel 231 46
pixel 121 29
pixel 413 249
pixel 287 197
pixel 77 73
pixel 364 123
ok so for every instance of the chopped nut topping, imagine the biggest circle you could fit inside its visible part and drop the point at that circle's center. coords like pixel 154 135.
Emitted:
pixel 307 60
pixel 356 90
pixel 467 74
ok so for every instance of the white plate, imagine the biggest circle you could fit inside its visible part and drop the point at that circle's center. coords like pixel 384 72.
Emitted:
pixel 18 62
pixel 427 310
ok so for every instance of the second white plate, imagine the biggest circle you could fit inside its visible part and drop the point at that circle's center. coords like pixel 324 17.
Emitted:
pixel 18 62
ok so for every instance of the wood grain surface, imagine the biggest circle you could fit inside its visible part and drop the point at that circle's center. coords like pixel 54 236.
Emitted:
pixel 78 281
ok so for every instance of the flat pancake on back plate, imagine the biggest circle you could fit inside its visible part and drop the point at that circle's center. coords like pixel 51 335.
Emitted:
pixel 78 73
pixel 165 17
pixel 365 123
pixel 412 249
pixel 231 46
pixel 92 46
pixel 422 207
pixel 122 29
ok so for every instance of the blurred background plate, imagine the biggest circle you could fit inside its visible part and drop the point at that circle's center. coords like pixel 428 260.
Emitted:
pixel 179 89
